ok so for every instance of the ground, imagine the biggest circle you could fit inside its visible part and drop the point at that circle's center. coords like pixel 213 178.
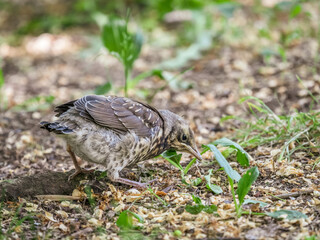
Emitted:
pixel 67 67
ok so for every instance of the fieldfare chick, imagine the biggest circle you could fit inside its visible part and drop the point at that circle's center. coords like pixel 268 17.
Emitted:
pixel 116 132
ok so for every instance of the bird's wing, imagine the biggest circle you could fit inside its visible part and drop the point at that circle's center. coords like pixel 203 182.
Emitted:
pixel 119 114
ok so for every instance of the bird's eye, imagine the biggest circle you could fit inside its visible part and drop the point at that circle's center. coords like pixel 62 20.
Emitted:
pixel 184 137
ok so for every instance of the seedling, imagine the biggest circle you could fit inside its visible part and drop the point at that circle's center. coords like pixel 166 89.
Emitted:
pixel 199 207
pixel 242 157
pixel 125 220
pixel 244 186
pixel 122 44
pixel 127 229
pixel 90 196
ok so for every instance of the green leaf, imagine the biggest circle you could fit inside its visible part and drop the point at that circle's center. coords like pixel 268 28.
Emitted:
pixel 214 188
pixel 172 157
pixel 196 199
pixel 210 209
pixel 91 199
pixel 35 104
pixel 226 153
pixel 245 183
pixel 198 207
pixel 194 209
pixel 223 162
pixel 102 175
pixel 177 233
pixel 103 89
pixel 242 155
pixel 137 216
pixel 248 201
pixel 125 220
pixel 1 79
pixel 155 72
pixel 313 237
pixel 295 11
pixel 196 181
pixel 227 9
pixel 120 43
pixel 290 214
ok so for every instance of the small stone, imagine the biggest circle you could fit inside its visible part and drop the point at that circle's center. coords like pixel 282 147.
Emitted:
pixel 94 222
pixel 180 210
pixel 98 213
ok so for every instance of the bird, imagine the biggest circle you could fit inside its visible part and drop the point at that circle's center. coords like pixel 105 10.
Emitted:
pixel 118 132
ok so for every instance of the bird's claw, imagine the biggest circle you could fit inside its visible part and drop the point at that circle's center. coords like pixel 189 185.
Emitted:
pixel 79 171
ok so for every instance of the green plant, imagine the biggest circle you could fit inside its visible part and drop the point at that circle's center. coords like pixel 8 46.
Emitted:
pixel 1 78
pixel 242 157
pixel 125 220
pixel 103 89
pixel 199 207
pixel 159 198
pixel 313 237
pixel 244 182
pixel 291 133
pixel 214 188
pixel 244 185
pixel 90 197
pixel 35 104
pixel 2 97
pixel 122 44
pixel 127 229
pixel 16 221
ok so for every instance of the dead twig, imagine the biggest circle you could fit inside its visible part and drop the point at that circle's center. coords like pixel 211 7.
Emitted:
pixel 293 194
pixel 57 197
pixel 82 232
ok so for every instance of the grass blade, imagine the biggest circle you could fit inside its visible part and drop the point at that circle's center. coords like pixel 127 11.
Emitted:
pixel 234 175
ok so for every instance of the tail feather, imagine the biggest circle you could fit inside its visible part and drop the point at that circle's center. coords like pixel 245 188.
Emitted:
pixel 55 127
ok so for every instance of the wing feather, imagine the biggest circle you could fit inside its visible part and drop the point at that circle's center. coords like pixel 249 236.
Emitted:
pixel 117 113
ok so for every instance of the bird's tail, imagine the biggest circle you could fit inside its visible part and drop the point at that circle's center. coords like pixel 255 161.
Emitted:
pixel 55 127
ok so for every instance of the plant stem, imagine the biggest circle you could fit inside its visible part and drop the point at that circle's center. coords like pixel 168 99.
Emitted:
pixel 160 199
pixel 192 162
pixel 127 76
pixel 185 171
pixel 238 208
pixel 253 213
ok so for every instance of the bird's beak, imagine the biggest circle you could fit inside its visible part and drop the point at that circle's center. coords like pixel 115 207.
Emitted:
pixel 194 151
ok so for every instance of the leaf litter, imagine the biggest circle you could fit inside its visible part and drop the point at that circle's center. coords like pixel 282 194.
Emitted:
pixel 98 212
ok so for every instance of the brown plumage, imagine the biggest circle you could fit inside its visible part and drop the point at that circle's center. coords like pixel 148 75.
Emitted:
pixel 116 132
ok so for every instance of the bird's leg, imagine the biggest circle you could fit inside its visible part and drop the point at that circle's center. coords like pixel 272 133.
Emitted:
pixel 76 164
pixel 114 176
pixel 132 183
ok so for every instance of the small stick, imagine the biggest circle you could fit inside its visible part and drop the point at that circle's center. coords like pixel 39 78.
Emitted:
pixel 57 197
pixel 81 232
pixel 294 194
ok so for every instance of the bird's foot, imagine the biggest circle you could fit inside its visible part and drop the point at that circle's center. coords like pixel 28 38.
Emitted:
pixel 134 183
pixel 78 171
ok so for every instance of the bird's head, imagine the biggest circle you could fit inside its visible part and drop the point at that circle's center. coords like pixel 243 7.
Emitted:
pixel 179 134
